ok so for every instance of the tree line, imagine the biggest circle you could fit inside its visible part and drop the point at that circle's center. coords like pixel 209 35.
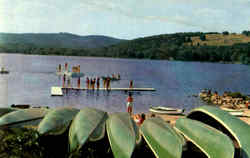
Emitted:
pixel 166 46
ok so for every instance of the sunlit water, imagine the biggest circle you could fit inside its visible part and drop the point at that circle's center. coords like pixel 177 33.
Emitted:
pixel 31 78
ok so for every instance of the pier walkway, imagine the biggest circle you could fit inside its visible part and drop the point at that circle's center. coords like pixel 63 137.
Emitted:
pixel 58 91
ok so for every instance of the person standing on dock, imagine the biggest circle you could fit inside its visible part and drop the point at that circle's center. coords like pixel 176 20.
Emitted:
pixel 69 85
pixel 87 83
pixel 94 80
pixel 59 68
pixel 79 68
pixel 91 83
pixel 104 82
pixel 64 79
pixel 79 82
pixel 108 83
pixel 130 103
pixel 98 83
pixel 66 66
pixel 131 84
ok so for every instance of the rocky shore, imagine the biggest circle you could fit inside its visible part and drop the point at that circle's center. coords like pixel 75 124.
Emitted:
pixel 234 100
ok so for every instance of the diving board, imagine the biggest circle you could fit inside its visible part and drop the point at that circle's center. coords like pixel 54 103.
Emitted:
pixel 56 91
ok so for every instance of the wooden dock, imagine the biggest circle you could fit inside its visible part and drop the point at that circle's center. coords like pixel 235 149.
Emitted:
pixel 58 91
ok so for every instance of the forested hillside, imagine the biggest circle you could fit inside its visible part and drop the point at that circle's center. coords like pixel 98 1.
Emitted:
pixel 191 46
pixel 55 40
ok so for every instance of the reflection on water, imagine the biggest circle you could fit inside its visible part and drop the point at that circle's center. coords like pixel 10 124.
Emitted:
pixel 32 76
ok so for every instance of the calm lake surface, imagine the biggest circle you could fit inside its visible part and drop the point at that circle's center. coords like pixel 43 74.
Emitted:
pixel 32 76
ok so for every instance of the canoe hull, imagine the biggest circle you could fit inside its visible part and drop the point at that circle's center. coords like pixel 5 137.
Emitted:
pixel 210 141
pixel 162 138
pixel 89 123
pixel 57 121
pixel 122 134
pixel 231 125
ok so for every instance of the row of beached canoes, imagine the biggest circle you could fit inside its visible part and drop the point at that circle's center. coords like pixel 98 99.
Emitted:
pixel 213 131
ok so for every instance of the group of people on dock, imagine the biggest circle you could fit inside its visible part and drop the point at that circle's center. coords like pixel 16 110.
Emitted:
pixel 75 69
pixel 59 69
pixel 91 82
pixel 107 83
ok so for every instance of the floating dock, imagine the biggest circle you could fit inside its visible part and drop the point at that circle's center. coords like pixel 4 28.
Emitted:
pixel 58 91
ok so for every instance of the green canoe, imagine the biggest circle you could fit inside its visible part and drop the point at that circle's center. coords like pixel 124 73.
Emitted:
pixel 22 118
pixel 210 141
pixel 57 121
pixel 235 128
pixel 123 134
pixel 162 138
pixel 4 111
pixel 89 123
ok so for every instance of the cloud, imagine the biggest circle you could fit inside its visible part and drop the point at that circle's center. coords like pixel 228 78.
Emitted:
pixel 111 6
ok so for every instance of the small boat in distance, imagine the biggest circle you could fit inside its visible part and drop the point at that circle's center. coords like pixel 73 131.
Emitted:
pixel 70 74
pixel 166 110
pixel 111 78
pixel 3 71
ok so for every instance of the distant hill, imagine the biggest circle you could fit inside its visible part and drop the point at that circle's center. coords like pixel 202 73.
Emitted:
pixel 189 46
pixel 57 40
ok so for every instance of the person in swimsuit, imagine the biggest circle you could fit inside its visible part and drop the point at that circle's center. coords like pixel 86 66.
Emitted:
pixel 130 103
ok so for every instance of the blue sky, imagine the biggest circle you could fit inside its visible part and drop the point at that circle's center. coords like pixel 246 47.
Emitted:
pixel 127 19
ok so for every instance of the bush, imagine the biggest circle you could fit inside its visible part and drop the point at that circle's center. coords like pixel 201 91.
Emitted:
pixel 237 95
pixel 225 33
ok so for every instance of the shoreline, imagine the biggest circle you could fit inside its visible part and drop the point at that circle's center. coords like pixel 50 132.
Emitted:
pixel 82 56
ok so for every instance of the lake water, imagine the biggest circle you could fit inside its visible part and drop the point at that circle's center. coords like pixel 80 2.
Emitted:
pixel 32 76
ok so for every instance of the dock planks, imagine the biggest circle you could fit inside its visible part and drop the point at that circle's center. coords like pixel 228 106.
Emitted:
pixel 57 91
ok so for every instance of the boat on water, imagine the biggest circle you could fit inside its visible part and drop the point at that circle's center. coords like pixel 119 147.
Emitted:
pixel 70 74
pixel 166 110
pixel 60 73
pixel 111 78
pixel 77 74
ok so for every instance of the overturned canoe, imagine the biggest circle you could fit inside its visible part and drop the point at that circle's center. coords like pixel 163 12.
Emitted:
pixel 235 128
pixel 89 123
pixel 212 142
pixel 4 111
pixel 57 121
pixel 22 118
pixel 122 134
pixel 162 138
